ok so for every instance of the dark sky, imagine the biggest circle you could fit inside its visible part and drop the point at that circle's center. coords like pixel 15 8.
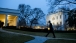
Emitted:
pixel 13 4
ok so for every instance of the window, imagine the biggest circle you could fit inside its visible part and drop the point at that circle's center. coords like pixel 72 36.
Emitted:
pixel 60 23
pixel 57 17
pixel 57 23
pixel 60 16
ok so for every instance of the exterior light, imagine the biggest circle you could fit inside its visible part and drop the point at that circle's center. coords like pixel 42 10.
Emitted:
pixel 37 27
pixel 9 15
pixel 48 28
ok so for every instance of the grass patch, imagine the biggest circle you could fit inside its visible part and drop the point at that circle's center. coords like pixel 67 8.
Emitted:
pixel 13 38
pixel 60 41
pixel 27 32
pixel 58 35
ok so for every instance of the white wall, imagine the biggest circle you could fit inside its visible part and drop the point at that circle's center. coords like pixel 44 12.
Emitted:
pixel 55 18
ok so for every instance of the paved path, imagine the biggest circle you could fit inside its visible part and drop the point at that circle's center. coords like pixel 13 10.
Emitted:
pixel 38 39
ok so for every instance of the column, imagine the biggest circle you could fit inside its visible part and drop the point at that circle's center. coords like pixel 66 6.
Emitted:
pixel 63 21
pixel 6 20
pixel 17 21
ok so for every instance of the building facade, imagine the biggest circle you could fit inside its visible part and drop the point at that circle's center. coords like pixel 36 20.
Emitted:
pixel 9 16
pixel 57 19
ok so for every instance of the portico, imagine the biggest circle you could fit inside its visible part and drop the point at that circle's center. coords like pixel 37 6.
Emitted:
pixel 9 16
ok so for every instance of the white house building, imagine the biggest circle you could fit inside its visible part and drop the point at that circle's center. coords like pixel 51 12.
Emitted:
pixel 9 16
pixel 57 19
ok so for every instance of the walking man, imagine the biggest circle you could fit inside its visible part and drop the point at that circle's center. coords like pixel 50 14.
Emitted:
pixel 51 30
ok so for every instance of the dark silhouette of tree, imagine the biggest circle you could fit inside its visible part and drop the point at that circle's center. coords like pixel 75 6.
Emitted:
pixel 29 16
pixel 64 9
pixel 24 13
pixel 36 16
pixel 21 7
pixel 56 3
pixel 71 21
pixel 21 21
pixel 28 13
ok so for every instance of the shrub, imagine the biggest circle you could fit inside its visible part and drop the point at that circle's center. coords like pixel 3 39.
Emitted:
pixel 1 24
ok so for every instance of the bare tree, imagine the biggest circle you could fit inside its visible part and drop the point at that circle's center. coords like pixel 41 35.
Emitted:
pixel 29 16
pixel 71 21
pixel 21 20
pixel 36 16
pixel 24 13
pixel 56 3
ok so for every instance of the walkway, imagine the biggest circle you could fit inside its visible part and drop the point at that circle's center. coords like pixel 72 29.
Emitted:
pixel 38 39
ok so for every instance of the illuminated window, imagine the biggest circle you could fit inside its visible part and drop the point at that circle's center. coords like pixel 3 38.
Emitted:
pixel 48 28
